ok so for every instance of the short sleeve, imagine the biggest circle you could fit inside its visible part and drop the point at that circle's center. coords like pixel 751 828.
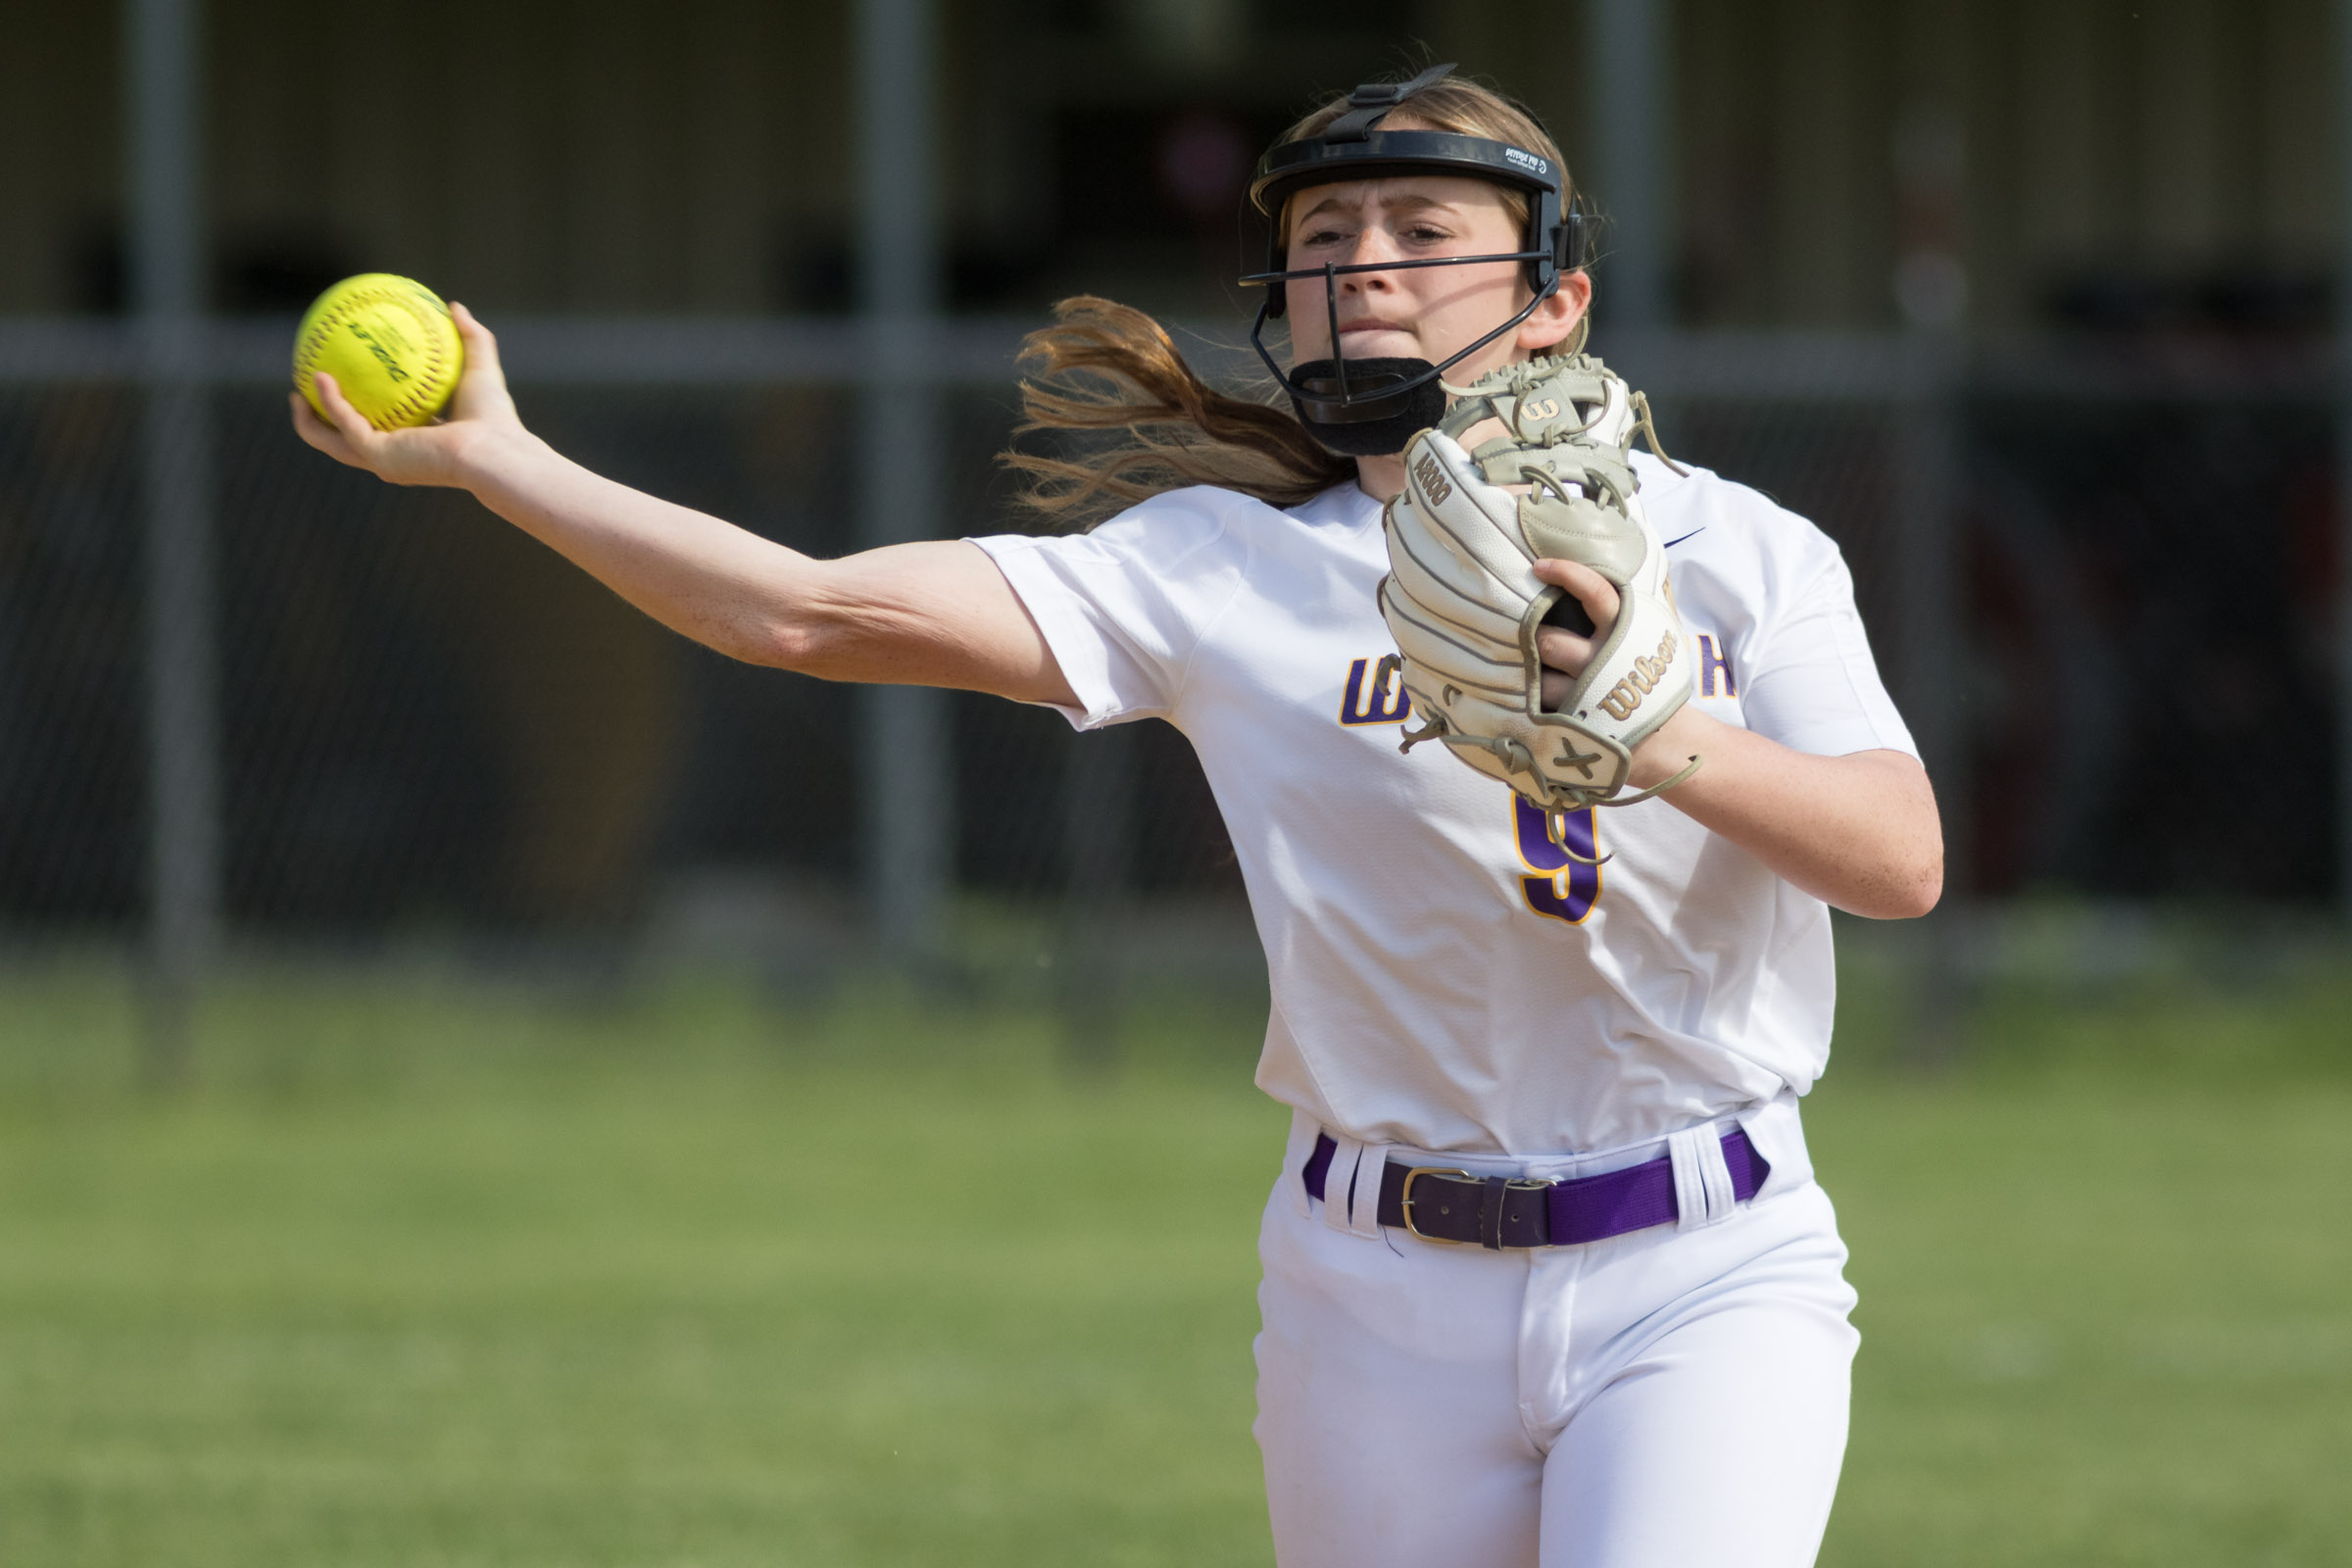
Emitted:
pixel 1811 683
pixel 1124 607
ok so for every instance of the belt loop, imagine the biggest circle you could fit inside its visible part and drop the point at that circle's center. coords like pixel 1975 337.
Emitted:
pixel 1352 1186
pixel 1703 1182
pixel 1338 1178
pixel 1362 1201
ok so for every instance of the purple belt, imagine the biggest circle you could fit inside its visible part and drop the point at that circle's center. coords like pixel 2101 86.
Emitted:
pixel 1439 1204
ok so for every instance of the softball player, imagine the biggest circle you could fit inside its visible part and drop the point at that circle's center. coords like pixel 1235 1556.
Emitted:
pixel 1547 1276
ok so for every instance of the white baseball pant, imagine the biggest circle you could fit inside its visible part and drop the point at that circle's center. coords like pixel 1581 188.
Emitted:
pixel 1674 1397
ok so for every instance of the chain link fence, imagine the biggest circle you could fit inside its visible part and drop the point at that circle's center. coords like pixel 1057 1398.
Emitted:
pixel 2144 587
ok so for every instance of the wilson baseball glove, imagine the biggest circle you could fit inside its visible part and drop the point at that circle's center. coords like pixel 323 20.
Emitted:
pixel 1464 603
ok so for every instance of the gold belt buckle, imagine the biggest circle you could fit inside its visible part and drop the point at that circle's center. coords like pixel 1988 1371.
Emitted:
pixel 1522 1182
pixel 1414 1175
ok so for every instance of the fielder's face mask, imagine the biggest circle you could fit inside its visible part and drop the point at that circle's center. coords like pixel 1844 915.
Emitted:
pixel 1371 407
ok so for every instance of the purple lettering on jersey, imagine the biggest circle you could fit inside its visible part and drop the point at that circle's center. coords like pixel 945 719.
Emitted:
pixel 1715 667
pixel 1374 702
pixel 1565 888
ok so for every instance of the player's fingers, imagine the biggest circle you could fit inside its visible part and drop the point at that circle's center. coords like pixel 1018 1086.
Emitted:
pixel 1563 650
pixel 316 431
pixel 332 434
pixel 347 420
pixel 1590 589
pixel 481 344
pixel 483 387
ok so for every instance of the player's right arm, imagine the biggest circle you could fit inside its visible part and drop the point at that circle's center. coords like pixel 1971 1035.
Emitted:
pixel 935 614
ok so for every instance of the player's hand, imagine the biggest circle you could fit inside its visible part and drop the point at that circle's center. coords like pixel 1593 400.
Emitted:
pixel 1565 656
pixel 1565 653
pixel 431 454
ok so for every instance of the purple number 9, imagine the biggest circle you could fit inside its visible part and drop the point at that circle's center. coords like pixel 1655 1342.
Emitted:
pixel 1563 888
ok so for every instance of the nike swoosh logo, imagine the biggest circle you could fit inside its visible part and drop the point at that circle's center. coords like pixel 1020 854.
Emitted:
pixel 1693 534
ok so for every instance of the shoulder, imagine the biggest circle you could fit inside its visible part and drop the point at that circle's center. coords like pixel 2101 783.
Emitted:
pixel 1197 528
pixel 1733 532
pixel 1203 528
pixel 1172 561
pixel 1741 517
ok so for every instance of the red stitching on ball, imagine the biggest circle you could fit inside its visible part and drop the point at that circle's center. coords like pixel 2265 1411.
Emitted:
pixel 436 361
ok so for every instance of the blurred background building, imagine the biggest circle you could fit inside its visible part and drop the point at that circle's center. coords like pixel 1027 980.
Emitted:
pixel 2036 308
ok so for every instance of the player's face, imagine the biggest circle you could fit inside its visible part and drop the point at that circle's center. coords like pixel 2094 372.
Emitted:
pixel 1419 313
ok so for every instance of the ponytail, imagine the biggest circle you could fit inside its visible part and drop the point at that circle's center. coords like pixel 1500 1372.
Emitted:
pixel 1112 369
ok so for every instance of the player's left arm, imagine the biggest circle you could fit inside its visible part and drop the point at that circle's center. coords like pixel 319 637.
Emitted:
pixel 1860 831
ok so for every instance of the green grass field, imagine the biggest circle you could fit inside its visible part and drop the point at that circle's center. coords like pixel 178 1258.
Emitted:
pixel 441 1273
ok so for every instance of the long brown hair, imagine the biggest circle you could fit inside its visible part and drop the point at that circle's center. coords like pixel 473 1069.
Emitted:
pixel 1112 371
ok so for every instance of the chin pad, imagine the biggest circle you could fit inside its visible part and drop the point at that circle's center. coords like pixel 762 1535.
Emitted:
pixel 1371 424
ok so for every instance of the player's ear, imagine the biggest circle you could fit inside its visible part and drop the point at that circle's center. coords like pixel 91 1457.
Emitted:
pixel 1553 323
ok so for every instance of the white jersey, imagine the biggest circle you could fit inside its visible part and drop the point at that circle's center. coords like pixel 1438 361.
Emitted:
pixel 1442 975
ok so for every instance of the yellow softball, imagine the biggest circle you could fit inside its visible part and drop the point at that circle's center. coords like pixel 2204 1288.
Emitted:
pixel 389 343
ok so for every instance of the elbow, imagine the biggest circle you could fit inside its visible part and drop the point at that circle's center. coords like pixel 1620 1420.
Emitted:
pixel 1892 885
pixel 808 642
pixel 829 634
pixel 1907 890
pixel 1920 893
pixel 1912 883
pixel 802 647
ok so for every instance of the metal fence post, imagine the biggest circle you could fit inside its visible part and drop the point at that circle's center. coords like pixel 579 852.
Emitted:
pixel 907 755
pixel 1098 841
pixel 1930 284
pixel 162 87
pixel 1930 576
pixel 2343 448
pixel 1631 66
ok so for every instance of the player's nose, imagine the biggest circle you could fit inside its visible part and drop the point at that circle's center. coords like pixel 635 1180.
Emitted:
pixel 1369 250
